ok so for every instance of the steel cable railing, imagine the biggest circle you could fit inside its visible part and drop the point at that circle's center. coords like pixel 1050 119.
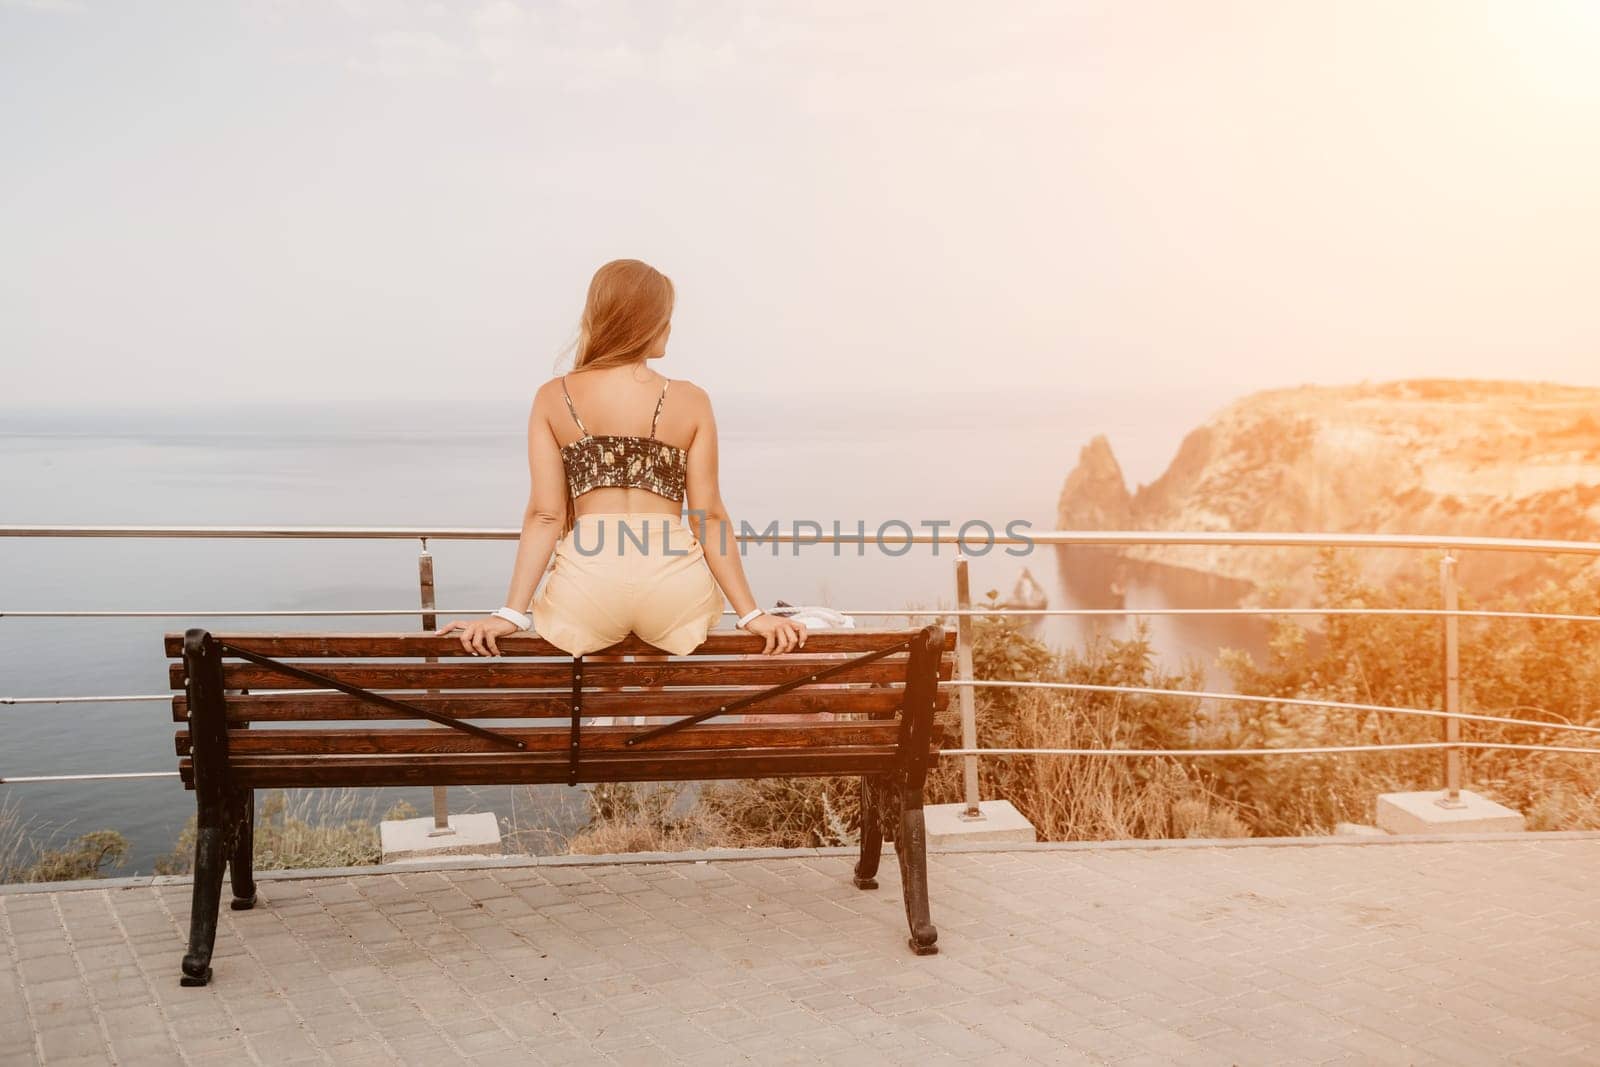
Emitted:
pixel 963 543
pixel 1317 750
pixel 1084 687
pixel 1304 702
pixel 1424 613
pixel 35 779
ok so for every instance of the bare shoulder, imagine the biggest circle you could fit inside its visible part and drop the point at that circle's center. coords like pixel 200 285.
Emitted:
pixel 691 395
pixel 547 395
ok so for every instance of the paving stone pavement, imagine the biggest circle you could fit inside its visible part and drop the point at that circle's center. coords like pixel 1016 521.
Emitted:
pixel 1460 952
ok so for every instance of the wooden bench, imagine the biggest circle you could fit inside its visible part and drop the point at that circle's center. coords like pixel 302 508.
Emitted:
pixel 408 709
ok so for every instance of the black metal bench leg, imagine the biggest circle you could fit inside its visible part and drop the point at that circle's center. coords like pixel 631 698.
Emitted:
pixel 208 862
pixel 871 835
pixel 910 848
pixel 216 800
pixel 241 863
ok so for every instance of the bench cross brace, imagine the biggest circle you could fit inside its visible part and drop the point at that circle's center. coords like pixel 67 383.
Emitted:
pixel 367 694
pixel 744 702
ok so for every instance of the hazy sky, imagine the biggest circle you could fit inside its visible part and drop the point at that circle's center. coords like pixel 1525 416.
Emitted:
pixel 388 199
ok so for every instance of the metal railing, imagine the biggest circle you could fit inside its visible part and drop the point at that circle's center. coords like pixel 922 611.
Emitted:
pixel 1449 612
pixel 1120 538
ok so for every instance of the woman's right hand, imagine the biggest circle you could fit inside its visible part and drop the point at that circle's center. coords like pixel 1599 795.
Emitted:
pixel 477 635
pixel 784 635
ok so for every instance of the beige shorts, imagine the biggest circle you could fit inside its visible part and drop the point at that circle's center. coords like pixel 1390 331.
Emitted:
pixel 621 572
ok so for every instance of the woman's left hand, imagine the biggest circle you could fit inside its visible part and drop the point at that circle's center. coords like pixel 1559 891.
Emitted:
pixel 783 635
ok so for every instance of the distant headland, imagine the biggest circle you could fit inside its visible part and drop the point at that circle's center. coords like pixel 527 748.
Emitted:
pixel 1459 457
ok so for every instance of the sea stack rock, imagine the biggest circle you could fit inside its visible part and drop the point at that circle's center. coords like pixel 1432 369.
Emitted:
pixel 1095 495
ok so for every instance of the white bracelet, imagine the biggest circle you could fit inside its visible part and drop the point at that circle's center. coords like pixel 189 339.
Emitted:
pixel 743 619
pixel 513 615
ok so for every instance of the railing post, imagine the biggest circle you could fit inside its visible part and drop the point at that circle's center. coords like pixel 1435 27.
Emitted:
pixel 1452 683
pixel 430 621
pixel 969 714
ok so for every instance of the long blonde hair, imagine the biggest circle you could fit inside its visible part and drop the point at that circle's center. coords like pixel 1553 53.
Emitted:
pixel 628 306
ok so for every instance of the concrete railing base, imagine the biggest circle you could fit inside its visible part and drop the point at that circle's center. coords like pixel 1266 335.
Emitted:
pixel 474 834
pixel 997 821
pixel 1428 813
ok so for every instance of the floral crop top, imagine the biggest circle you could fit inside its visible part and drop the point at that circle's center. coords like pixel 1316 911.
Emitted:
pixel 624 460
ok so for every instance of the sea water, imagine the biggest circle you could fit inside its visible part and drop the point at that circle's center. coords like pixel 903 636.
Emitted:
pixel 998 457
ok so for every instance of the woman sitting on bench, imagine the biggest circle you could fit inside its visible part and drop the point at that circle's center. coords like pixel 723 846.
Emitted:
pixel 606 509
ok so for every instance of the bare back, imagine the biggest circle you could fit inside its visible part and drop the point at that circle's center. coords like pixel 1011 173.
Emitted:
pixel 623 401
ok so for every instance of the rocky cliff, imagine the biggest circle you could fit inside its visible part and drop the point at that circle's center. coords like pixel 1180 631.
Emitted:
pixel 1503 459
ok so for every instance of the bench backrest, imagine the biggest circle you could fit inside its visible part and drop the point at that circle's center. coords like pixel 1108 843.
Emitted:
pixel 274 729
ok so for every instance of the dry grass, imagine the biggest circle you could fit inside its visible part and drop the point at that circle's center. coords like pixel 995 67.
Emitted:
pixel 1067 798
pixel 294 830
pixel 14 847
pixel 639 818
pixel 304 829
pixel 25 855
pixel 633 835
pixel 1097 798
pixel 760 813
pixel 784 812
pixel 1565 807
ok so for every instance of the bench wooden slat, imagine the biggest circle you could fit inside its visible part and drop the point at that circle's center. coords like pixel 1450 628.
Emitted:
pixel 340 707
pixel 510 674
pixel 423 643
pixel 442 740
pixel 402 770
